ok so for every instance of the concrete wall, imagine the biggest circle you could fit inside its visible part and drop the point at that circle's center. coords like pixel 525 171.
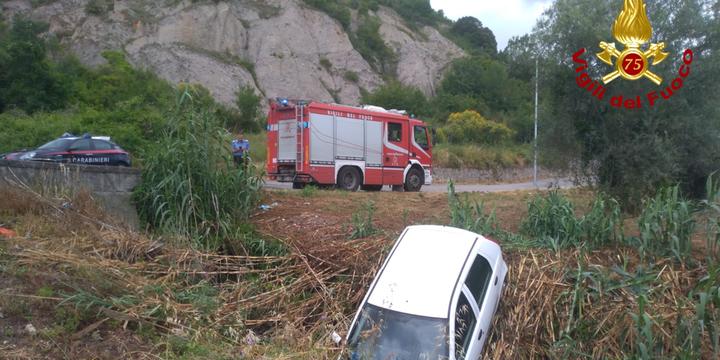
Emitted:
pixel 509 175
pixel 112 186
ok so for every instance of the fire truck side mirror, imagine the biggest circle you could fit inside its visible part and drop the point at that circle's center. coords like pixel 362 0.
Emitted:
pixel 433 133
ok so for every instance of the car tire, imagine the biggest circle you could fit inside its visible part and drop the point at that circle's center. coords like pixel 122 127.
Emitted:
pixel 414 180
pixel 348 179
pixel 372 188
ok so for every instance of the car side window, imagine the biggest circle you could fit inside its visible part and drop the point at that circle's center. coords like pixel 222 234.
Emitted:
pixel 81 145
pixel 394 132
pixel 478 278
pixel 421 137
pixel 102 145
pixel 464 324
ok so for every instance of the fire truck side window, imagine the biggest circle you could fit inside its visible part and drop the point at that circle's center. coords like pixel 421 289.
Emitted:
pixel 394 132
pixel 421 137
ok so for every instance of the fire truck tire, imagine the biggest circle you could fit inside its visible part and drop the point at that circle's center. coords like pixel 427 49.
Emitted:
pixel 372 187
pixel 349 179
pixel 299 185
pixel 414 180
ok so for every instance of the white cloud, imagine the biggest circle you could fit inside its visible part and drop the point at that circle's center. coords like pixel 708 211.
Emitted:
pixel 506 18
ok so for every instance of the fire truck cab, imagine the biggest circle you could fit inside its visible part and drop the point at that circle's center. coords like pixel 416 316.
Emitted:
pixel 348 147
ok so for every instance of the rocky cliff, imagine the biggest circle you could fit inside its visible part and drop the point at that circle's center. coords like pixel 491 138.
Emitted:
pixel 280 47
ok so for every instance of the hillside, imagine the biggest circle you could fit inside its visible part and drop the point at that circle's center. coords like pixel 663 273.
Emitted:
pixel 279 47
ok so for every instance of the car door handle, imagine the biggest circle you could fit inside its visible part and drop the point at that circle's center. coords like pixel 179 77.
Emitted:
pixel 481 334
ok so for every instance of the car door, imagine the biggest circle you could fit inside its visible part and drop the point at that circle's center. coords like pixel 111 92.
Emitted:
pixel 80 152
pixel 103 153
pixel 395 152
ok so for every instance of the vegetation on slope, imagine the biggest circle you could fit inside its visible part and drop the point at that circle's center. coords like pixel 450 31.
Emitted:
pixel 45 92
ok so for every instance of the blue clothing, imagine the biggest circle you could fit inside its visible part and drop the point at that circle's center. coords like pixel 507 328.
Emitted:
pixel 240 146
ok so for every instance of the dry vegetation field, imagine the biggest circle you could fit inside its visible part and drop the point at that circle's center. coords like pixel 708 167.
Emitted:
pixel 91 289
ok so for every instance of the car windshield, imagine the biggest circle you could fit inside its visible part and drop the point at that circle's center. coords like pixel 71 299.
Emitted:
pixel 57 144
pixel 382 334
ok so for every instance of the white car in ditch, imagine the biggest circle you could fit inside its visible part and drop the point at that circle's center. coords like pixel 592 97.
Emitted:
pixel 434 298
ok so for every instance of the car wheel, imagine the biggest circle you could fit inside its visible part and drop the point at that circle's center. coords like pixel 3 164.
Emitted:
pixel 414 180
pixel 348 179
pixel 373 188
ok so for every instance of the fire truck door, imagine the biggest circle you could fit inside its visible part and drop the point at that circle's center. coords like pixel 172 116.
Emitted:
pixel 395 153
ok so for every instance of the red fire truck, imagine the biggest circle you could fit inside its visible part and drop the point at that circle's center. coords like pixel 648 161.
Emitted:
pixel 348 147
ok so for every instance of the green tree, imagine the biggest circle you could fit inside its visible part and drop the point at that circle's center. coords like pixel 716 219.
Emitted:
pixel 484 83
pixel 395 95
pixel 470 32
pixel 632 152
pixel 248 103
pixel 28 81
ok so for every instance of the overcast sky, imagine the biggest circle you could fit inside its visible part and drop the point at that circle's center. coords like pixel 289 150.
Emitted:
pixel 506 18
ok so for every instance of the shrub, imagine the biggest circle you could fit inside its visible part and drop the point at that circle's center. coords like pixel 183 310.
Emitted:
pixel 326 64
pixel 363 222
pixel 98 7
pixel 471 216
pixel 351 76
pixel 190 185
pixel 368 42
pixel 471 127
pixel 551 218
pixel 603 224
pixel 666 225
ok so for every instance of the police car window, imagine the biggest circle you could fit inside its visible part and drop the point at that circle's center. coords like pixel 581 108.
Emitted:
pixel 81 145
pixel 394 132
pixel 102 145
pixel 464 324
pixel 478 278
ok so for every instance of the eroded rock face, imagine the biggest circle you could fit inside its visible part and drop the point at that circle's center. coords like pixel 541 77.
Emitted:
pixel 282 48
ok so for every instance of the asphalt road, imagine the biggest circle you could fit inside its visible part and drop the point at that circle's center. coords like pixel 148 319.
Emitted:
pixel 442 188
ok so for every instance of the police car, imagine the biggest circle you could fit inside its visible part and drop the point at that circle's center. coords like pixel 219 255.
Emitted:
pixel 434 298
pixel 86 149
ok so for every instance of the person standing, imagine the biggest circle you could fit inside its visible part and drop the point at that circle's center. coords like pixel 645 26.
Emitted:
pixel 240 148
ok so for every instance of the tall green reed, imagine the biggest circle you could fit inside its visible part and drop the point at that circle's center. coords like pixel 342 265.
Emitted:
pixel 190 185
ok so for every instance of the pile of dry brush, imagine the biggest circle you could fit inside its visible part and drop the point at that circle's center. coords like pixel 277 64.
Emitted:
pixel 572 304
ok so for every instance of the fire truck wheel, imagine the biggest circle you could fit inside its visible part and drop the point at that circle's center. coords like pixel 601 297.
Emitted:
pixel 348 179
pixel 414 180
pixel 298 185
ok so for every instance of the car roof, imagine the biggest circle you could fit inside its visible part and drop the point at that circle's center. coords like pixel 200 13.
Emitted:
pixel 421 272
